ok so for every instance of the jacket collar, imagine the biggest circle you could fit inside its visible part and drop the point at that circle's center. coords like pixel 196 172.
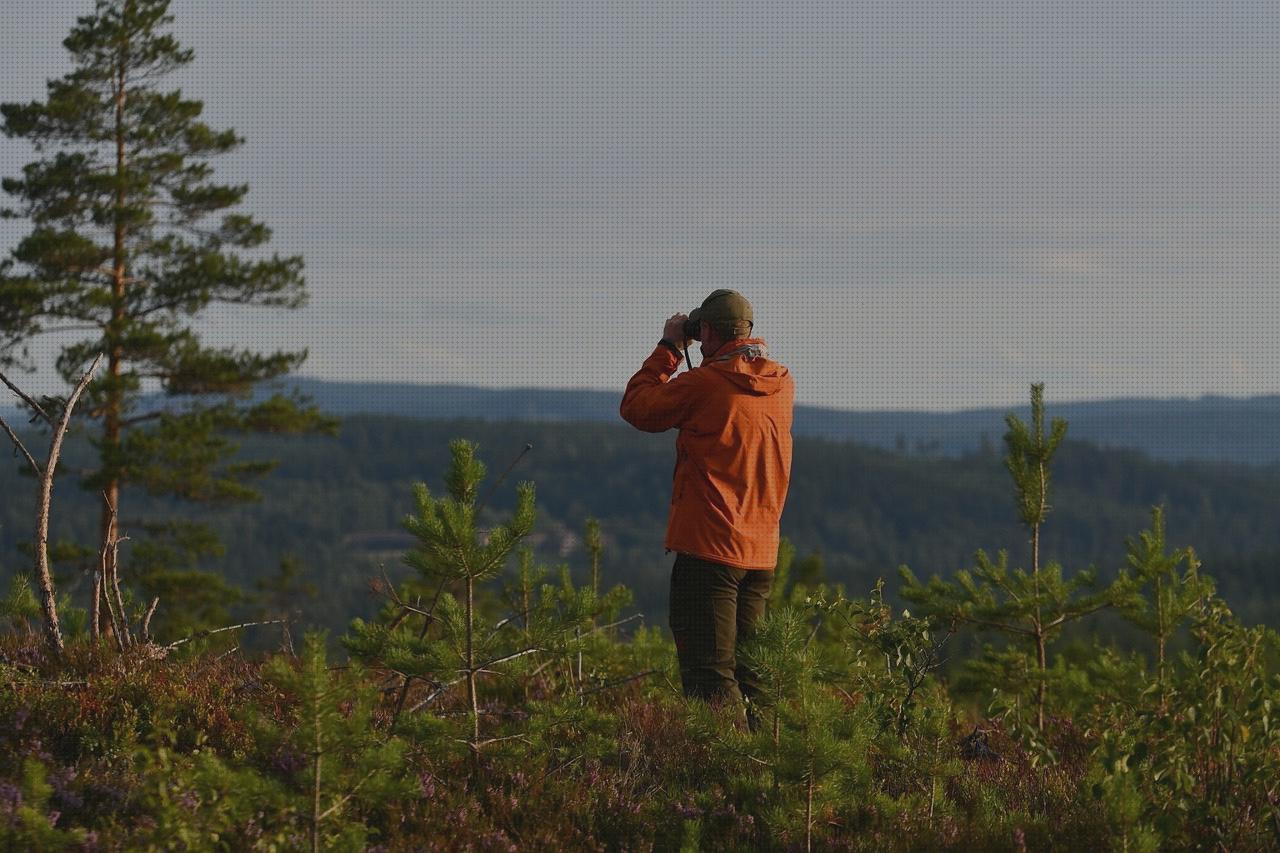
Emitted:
pixel 750 348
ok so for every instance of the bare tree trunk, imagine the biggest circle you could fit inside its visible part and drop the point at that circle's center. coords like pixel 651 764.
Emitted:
pixel 471 667
pixel 110 586
pixel 109 533
pixel 808 814
pixel 1162 633
pixel 127 635
pixel 315 785
pixel 95 605
pixel 49 601
pixel 1042 659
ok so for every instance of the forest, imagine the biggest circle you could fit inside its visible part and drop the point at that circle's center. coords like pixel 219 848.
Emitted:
pixel 333 503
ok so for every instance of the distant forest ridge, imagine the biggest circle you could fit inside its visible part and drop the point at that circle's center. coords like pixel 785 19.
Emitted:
pixel 1210 428
pixel 337 503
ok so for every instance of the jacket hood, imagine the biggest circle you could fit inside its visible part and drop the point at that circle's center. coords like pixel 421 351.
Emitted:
pixel 745 362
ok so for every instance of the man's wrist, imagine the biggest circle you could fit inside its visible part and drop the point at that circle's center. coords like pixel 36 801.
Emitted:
pixel 669 345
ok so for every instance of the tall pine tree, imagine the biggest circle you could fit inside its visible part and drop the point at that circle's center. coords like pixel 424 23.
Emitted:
pixel 130 240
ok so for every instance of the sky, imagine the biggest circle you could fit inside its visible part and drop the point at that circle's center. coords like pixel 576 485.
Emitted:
pixel 930 205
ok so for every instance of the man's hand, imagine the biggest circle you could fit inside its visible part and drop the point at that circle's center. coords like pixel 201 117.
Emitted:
pixel 674 330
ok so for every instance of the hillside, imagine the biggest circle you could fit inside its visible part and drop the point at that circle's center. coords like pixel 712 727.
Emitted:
pixel 336 504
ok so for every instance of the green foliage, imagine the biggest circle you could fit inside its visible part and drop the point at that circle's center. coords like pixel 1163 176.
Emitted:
pixel 809 740
pixel 352 765
pixel 19 608
pixel 890 660
pixel 450 547
pixel 451 641
pixel 1171 597
pixel 1030 452
pixel 1198 759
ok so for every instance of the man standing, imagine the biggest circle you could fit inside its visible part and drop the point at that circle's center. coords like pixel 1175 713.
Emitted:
pixel 733 466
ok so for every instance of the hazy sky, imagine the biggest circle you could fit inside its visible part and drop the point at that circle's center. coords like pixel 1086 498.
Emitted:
pixel 931 205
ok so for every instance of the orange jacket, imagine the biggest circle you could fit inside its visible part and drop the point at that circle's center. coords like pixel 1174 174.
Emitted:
pixel 733 453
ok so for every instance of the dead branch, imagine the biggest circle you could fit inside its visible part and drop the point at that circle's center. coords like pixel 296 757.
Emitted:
pixel 115 578
pixel 631 618
pixel 95 605
pixel 443 687
pixel 476 745
pixel 30 402
pixel 483 501
pixel 115 621
pixel 18 445
pixel 110 585
pixel 618 682
pixel 146 620
pixel 43 575
pixel 343 800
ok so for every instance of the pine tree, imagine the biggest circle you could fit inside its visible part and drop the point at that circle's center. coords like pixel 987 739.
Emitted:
pixel 351 761
pixel 121 248
pixel 1173 596
pixel 452 550
pixel 812 743
pixel 1029 607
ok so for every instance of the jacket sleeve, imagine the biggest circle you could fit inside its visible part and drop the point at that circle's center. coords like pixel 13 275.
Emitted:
pixel 653 404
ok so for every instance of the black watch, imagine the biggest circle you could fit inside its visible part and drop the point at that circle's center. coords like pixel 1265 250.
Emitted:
pixel 666 343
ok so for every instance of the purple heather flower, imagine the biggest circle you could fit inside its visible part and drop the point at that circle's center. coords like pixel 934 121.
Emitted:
pixel 10 798
pixel 688 811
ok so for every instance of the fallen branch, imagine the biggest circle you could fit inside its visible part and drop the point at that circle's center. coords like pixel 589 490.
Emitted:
pixel 631 618
pixel 618 682
pixel 200 635
pixel 475 746
pixel 443 687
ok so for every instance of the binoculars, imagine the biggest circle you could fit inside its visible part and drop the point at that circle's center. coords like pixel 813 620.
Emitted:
pixel 693 329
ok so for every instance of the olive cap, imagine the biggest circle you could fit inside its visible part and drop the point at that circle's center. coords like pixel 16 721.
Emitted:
pixel 725 308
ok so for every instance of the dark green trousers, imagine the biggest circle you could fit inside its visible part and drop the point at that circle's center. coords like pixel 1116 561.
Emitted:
pixel 711 606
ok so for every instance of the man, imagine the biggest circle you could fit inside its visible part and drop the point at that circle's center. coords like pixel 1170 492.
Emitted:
pixel 733 466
